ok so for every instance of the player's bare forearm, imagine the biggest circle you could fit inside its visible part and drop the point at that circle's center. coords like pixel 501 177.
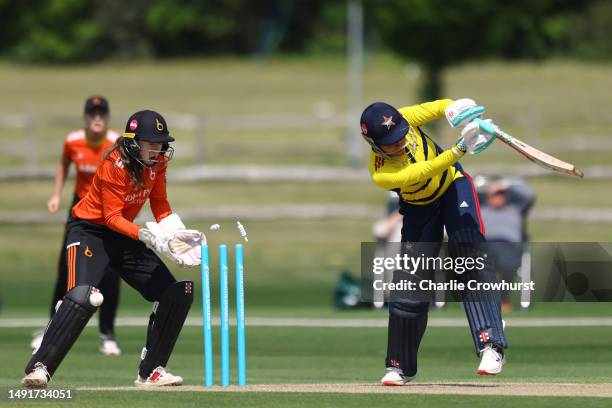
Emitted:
pixel 61 172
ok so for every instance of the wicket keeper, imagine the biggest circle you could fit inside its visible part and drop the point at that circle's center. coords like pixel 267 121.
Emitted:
pixel 101 232
pixel 435 194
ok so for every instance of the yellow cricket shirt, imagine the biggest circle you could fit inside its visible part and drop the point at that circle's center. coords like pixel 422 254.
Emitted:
pixel 424 173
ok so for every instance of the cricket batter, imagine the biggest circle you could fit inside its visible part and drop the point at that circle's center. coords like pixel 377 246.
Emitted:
pixel 85 149
pixel 101 232
pixel 435 193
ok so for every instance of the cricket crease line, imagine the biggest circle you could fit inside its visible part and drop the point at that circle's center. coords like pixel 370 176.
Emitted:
pixel 333 323
pixel 447 388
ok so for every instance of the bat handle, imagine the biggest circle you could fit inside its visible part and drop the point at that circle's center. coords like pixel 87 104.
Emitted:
pixel 493 130
pixel 486 126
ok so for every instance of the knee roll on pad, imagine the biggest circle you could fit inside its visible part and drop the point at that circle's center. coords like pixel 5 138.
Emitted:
pixel 64 328
pixel 165 324
pixel 408 309
pixel 410 299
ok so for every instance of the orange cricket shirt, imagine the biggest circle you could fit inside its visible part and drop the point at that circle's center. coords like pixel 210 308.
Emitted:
pixel 114 201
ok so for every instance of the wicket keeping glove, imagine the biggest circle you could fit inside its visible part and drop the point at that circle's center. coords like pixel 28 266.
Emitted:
pixel 156 240
pixel 172 239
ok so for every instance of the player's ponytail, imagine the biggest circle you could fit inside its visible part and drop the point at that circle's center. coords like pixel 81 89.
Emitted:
pixel 133 167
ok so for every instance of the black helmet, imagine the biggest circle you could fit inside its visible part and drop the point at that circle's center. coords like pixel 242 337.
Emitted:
pixel 149 126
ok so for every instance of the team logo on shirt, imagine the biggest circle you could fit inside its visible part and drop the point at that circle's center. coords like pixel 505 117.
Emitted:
pixel 88 253
pixel 152 175
pixel 388 121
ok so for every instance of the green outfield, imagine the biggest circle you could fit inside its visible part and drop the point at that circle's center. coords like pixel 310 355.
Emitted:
pixel 291 110
pixel 291 265
pixel 290 355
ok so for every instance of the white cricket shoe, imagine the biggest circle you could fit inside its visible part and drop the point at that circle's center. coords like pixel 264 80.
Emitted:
pixel 159 378
pixel 491 361
pixel 38 377
pixel 395 377
pixel 37 338
pixel 109 346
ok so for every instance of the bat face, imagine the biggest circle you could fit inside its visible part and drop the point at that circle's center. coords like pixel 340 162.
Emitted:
pixel 531 153
pixel 542 159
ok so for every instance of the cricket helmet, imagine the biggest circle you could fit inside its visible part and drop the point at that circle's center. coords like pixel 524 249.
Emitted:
pixel 148 126
pixel 382 124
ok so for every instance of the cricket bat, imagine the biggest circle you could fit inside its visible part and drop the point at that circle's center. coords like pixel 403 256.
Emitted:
pixel 529 152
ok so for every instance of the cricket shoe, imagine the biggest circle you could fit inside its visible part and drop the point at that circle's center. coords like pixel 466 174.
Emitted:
pixel 492 360
pixel 159 378
pixel 395 377
pixel 37 378
pixel 109 346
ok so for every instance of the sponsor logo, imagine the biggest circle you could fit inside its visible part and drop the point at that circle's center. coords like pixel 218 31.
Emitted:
pixel 378 162
pixel 364 129
pixel 133 124
pixel 87 168
pixel 464 205
pixel 154 376
pixel 138 197
pixel 484 336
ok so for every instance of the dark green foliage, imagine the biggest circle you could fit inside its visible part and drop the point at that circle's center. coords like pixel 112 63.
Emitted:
pixel 436 33
pixel 440 33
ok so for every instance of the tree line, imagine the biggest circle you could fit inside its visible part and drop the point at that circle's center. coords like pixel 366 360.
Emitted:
pixel 436 33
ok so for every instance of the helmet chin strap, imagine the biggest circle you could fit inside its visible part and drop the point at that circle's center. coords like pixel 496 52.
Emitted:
pixel 386 155
pixel 395 156
pixel 134 150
